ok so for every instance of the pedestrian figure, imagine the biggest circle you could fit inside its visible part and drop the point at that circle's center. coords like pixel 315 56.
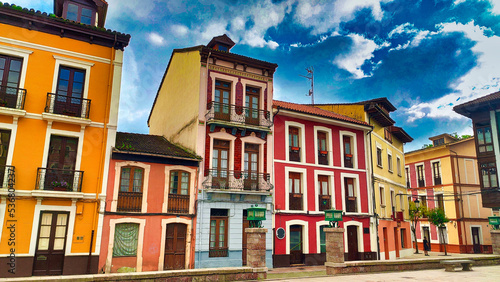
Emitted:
pixel 427 246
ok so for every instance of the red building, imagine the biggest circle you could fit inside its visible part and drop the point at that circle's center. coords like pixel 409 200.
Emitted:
pixel 320 163
pixel 149 217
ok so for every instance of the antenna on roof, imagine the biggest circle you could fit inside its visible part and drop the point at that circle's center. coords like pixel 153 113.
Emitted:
pixel 310 76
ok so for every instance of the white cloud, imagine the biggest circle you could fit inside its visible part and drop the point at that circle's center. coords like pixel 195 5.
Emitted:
pixel 495 6
pixel 361 50
pixel 156 39
pixel 179 29
pixel 481 80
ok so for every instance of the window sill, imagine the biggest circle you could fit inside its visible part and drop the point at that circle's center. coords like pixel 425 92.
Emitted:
pixel 380 166
pixel 390 171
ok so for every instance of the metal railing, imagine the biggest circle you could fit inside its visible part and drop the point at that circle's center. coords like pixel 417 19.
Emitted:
pixel 294 154
pixel 238 114
pixel 7 173
pixel 11 97
pixel 59 180
pixel 129 201
pixel 178 203
pixel 220 252
pixel 295 201
pixel 68 106
pixel 237 180
pixel 323 157
pixel 325 202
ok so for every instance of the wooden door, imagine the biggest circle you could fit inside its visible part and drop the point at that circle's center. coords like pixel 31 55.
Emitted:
pixel 396 241
pixel 252 106
pixel 246 224
pixel 386 244
pixel 61 163
pixel 296 255
pixel 251 167
pixel 175 246
pixel 69 92
pixel 51 243
pixel 475 240
pixel 220 164
pixel 352 243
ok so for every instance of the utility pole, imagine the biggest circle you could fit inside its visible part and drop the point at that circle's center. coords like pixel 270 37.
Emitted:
pixel 310 76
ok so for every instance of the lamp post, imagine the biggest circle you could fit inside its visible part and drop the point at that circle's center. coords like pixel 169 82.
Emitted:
pixel 415 217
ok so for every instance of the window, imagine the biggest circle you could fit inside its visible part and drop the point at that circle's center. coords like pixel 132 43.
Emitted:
pixel 398 164
pixel 387 135
pixel 251 167
pixel 393 204
pixel 423 203
pixel 178 198
pixel 322 148
pixel 382 196
pixel 348 154
pixel 489 175
pixel 10 75
pixel 484 140
pixel 126 239
pixel 222 100
pixel 401 201
pixel 252 105
pixel 324 193
pixel 322 239
pixel 80 13
pixel 222 47
pixel 60 174
pixel 295 193
pixel 438 142
pixel 130 194
pixel 407 171
pixel 293 141
pixel 220 164
pixel 440 201
pixel 350 193
pixel 436 171
pixel 69 93
pixel 420 176
pixel 403 238
pixel 389 162
pixel 379 157
pixel 218 233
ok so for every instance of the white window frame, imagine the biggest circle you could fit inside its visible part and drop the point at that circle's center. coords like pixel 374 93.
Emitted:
pixel 222 135
pixel 329 144
pixel 164 222
pixel 192 176
pixel 436 201
pixel 390 165
pixel 140 240
pixel 331 181
pixel 305 235
pixel 19 53
pixel 73 63
pixel 318 237
pixel 303 188
pixel 361 246
pixel 302 139
pixel 252 139
pixel 356 190
pixel 254 84
pixel 354 148
pixel 470 232
pixel 416 173
pixel 383 200
pixel 145 183
pixel 399 166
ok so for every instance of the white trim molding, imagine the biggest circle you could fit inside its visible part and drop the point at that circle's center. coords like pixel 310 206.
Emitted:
pixel 354 147
pixel 303 187
pixel 222 135
pixel 329 144
pixel 145 183
pixel 164 222
pixel 331 178
pixel 318 235
pixel 356 191
pixel 192 183
pixel 302 140
pixel 305 235
pixel 20 53
pixel 359 225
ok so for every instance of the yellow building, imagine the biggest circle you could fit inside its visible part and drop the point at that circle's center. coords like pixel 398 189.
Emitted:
pixel 59 91
pixel 389 182
pixel 445 175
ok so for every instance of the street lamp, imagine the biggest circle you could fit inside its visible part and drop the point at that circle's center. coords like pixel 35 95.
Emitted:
pixel 417 203
pixel 255 216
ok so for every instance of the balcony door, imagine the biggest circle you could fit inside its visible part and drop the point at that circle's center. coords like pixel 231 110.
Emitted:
pixel 220 164
pixel 10 74
pixel 4 150
pixel 69 92
pixel 175 246
pixel 222 101
pixel 296 253
pixel 51 243
pixel 252 106
pixel 348 156
pixel 352 243
pixel 350 195
pixel 251 165
pixel 61 163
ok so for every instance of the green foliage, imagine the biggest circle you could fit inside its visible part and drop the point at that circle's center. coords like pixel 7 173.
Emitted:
pixel 416 213
pixel 437 217
pixel 425 146
pixel 125 146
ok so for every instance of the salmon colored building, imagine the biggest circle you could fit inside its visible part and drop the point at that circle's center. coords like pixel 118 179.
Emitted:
pixel 60 77
pixel 445 175
pixel 149 217
pixel 320 163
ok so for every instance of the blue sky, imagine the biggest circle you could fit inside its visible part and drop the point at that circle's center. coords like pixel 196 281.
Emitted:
pixel 425 56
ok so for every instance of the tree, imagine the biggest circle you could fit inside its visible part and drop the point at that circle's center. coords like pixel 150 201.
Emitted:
pixel 415 214
pixel 439 219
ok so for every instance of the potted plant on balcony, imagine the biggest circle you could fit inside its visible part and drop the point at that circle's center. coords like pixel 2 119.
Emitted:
pixel 323 153
pixel 60 185
pixel 3 103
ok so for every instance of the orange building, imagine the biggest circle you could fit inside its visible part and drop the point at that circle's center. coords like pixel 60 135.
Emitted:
pixel 60 80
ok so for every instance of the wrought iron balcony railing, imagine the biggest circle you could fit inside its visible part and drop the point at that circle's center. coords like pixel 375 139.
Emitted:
pixel 11 97
pixel 218 252
pixel 7 176
pixel 237 180
pixel 238 114
pixel 178 203
pixel 68 106
pixel 325 202
pixel 129 202
pixel 59 180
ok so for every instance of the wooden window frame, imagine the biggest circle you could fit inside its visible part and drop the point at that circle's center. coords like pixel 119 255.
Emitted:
pixel 79 13
pixel 488 166
pixel 420 175
pixel 436 173
pixel 351 200
pixel 291 190
pixel 130 200
pixel 389 163
pixel 294 149
pixel 324 198
pixel 387 135
pixel 218 251
pixel 6 69
pixel 398 164
pixel 481 126
pixel 379 157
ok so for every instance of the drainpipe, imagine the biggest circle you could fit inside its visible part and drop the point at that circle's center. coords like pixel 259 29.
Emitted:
pixel 461 203
pixel 375 215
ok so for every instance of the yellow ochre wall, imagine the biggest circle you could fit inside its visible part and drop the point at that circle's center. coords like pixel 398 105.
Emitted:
pixel 30 141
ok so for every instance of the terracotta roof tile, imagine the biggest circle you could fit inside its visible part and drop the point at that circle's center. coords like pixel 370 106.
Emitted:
pixel 150 144
pixel 315 111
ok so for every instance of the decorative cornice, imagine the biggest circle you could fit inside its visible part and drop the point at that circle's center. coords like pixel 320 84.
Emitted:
pixel 239 73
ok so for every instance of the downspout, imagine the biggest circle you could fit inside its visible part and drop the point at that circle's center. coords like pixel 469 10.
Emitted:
pixel 103 152
pixel 375 215
pixel 461 202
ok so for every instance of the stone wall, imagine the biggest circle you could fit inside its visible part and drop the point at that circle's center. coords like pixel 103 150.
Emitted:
pixel 495 241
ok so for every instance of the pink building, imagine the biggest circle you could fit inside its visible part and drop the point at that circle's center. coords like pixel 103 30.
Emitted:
pixel 320 163
pixel 149 217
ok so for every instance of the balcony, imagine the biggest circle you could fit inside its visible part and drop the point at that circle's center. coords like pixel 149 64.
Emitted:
pixel 237 181
pixel 7 176
pixel 325 202
pixel 437 180
pixel 129 202
pixel 323 157
pixel 11 97
pixel 351 204
pixel 295 201
pixel 232 114
pixel 348 161
pixel 178 203
pixel 294 154
pixel 219 252
pixel 67 106
pixel 48 179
